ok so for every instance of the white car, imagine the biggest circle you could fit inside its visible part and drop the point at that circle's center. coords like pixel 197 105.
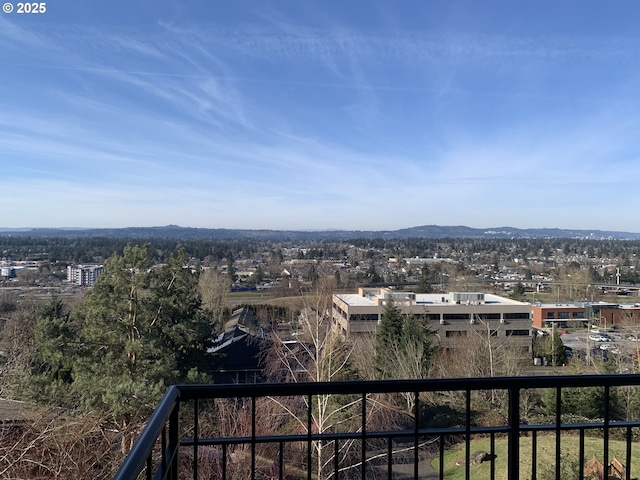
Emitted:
pixel 598 338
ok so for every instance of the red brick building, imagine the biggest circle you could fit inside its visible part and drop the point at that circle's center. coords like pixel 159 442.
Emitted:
pixel 582 314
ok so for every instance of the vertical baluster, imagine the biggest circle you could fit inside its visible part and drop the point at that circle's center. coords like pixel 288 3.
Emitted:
pixel 196 434
pixel 467 446
pixel 607 418
pixel 253 437
pixel 364 435
pixel 416 440
pixel 389 458
pixel 558 430
pixel 514 433
pixel 309 427
pixel 581 456
pixel 534 455
pixel 628 459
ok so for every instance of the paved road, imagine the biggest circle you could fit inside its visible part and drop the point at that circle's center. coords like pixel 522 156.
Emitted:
pixel 404 471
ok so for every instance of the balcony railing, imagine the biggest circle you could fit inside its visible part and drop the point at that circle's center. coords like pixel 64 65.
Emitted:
pixel 337 430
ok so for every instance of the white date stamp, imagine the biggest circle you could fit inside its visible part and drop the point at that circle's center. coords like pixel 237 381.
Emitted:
pixel 24 8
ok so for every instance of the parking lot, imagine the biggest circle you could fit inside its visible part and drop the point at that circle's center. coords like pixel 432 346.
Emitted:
pixel 619 342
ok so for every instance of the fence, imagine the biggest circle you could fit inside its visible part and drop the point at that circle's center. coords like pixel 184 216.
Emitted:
pixel 284 431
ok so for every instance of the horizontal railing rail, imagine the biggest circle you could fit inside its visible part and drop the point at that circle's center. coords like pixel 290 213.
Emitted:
pixel 173 443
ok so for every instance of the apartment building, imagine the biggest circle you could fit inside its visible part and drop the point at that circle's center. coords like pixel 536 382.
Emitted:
pixel 84 275
pixel 451 316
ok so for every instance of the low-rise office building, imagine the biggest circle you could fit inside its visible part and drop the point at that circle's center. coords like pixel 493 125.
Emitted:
pixel 451 316
pixel 583 314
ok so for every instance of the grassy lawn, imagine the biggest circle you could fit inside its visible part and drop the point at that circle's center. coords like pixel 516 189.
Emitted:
pixel 545 452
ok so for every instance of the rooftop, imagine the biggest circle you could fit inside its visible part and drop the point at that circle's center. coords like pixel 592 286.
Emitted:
pixel 374 297
pixel 583 305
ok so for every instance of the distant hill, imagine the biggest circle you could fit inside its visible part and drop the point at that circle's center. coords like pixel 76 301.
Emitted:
pixel 426 231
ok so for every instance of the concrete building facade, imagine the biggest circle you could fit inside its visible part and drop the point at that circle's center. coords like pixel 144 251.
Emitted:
pixel 84 275
pixel 8 272
pixel 451 316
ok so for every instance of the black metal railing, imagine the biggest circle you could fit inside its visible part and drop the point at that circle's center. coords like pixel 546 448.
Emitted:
pixel 357 430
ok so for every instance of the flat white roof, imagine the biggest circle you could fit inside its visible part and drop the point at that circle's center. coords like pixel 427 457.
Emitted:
pixel 436 299
pixel 356 300
pixel 369 300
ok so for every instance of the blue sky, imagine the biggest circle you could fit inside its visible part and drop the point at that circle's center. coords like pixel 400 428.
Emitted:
pixel 316 115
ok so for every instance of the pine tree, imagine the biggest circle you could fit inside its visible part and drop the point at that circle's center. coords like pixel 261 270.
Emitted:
pixel 416 347
pixel 424 282
pixel 142 330
pixel 387 338
pixel 178 322
pixel 48 377
pixel 54 335
pixel 119 369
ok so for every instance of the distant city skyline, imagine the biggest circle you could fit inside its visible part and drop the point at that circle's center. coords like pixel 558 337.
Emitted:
pixel 287 115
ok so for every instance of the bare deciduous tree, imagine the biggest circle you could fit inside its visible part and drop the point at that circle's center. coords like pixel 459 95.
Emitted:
pixel 485 353
pixel 18 344
pixel 319 354
pixel 214 289
pixel 48 445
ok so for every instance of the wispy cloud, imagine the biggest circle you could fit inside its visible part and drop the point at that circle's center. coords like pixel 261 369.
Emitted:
pixel 317 120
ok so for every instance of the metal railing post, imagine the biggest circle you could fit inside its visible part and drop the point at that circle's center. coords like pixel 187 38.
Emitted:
pixel 364 436
pixel 514 433
pixel 253 437
pixel 309 433
pixel 174 441
pixel 558 431
pixel 196 436
pixel 416 424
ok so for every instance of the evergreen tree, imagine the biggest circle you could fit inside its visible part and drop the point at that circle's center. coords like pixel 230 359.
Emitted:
pixel 550 347
pixel 518 291
pixel 587 402
pixel 142 329
pixel 372 275
pixel 231 268
pixel 119 368
pixel 416 347
pixel 183 332
pixel 387 338
pixel 424 282
pixel 49 375
pixel 312 275
pixel 54 335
